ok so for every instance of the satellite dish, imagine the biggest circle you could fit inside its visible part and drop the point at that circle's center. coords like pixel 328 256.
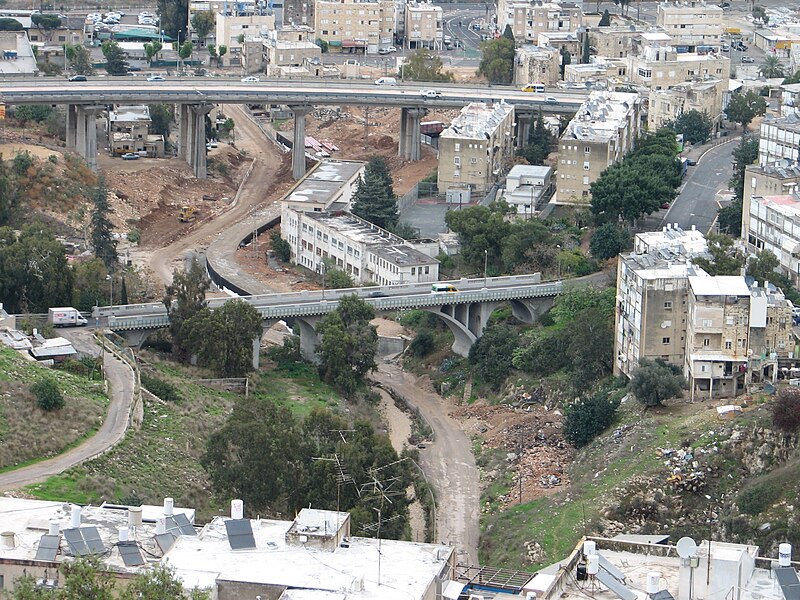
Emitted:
pixel 687 547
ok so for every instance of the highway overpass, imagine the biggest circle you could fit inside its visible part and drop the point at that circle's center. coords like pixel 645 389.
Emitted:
pixel 465 312
pixel 196 95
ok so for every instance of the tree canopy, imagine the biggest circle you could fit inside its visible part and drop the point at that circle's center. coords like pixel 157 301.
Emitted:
pixel 8 24
pixel 424 65
pixel 223 338
pixel 695 126
pixel 102 236
pixel 173 14
pixel 609 240
pixel 540 143
pixel 115 58
pixel 203 22
pixel 348 344
pixel 743 108
pixel 374 198
pixel 497 60
pixel 605 20
pixel 771 67
pixel 725 258
pixel 80 59
pixel 656 381
pixel 185 297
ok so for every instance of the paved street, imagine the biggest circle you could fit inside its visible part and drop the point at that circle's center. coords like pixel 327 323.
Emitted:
pixel 697 202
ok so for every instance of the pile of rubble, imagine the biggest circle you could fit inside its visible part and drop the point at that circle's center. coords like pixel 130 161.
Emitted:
pixel 686 474
pixel 330 113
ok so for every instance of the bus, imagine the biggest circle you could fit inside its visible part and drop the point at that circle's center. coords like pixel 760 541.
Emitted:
pixel 438 288
pixel 534 87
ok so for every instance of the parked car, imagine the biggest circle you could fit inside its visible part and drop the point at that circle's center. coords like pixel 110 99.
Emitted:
pixel 386 81
pixel 748 59
pixel 551 100
pixel 250 79
pixel 130 156
pixel 691 162
pixel 78 78
pixel 432 94
pixel 155 78
pixel 388 50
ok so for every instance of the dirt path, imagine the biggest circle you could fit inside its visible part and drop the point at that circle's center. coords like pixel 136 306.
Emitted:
pixel 113 429
pixel 255 191
pixel 448 464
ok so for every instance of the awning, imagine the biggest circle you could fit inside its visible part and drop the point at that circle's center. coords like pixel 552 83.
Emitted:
pixel 452 590
pixel 353 44
pixel 334 43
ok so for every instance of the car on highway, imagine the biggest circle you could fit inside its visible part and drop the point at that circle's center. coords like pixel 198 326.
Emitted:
pixel 431 94
pixel 534 87
pixel 551 100
pixel 748 59
pixel 78 78
pixel 250 79
pixel 387 50
pixel 155 78
pixel 377 294
pixel 130 156
pixel 386 81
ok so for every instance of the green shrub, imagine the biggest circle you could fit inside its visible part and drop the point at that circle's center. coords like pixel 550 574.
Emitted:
pixel 422 345
pixel 281 247
pixel 48 396
pixel 757 498
pixel 163 389
pixel 134 236
pixel 587 418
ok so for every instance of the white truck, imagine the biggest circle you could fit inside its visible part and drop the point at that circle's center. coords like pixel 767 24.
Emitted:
pixel 65 317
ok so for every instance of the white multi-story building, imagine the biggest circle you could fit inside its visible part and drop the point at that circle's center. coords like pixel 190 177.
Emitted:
pixel 693 24
pixel 364 251
pixel 423 25
pixel 779 139
pixel 478 146
pixel 529 19
pixel 773 223
pixel 233 30
pixel 663 67
pixel 601 133
pixel 527 187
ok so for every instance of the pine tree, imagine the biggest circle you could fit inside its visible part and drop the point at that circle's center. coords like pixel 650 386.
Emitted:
pixel 102 239
pixel 123 295
pixel 374 199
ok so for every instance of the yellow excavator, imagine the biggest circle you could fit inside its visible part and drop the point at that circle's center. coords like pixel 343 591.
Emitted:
pixel 187 214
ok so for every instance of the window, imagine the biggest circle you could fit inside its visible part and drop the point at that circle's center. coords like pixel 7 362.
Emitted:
pixel 473 161
pixel 587 149
pixel 427 270
pixel 665 340
pixel 728 344
pixel 457 147
pixel 706 342
pixel 707 323
pixel 668 305
pixel 585 180
pixel 457 161
pixel 586 165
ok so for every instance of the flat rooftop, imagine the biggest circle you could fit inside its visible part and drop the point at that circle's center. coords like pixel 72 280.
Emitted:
pixel 719 285
pixel 130 114
pixel 478 121
pixel 322 185
pixel 786 205
pixel 601 116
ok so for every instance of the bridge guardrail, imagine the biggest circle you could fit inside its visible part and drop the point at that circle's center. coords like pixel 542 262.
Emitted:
pixel 322 307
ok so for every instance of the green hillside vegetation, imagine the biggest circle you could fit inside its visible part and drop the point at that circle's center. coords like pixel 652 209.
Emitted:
pixel 162 458
pixel 28 433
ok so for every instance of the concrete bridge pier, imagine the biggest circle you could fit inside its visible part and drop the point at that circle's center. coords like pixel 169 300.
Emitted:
pixel 305 327
pixel 183 130
pixel 410 147
pixel 84 132
pixel 523 129
pixel 72 126
pixel 299 141
pixel 196 156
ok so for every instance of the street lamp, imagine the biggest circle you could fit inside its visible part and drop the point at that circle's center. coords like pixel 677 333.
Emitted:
pixel 111 293
pixel 178 58
pixel 485 265
pixel 558 261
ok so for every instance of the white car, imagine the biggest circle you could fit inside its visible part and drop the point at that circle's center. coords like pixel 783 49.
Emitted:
pixel 155 78
pixel 432 94
pixel 250 79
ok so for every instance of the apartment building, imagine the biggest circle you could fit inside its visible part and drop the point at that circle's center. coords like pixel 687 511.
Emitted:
pixel 724 332
pixel 286 56
pixel 600 69
pixel 775 179
pixel 369 254
pixel 233 29
pixel 536 64
pixel 129 131
pixel 243 8
pixel 616 41
pixel 704 96
pixel 423 25
pixel 773 223
pixel 693 24
pixel 567 41
pixel 604 129
pixel 478 147
pixel 660 67
pixel 529 19
pixel 652 284
pixel 527 188
pixel 351 26
pixel 779 139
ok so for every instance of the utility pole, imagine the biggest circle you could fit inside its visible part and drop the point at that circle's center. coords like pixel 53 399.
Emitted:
pixel 366 127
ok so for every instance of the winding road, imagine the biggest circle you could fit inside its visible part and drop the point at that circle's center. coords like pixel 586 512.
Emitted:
pixel 448 463
pixel 120 378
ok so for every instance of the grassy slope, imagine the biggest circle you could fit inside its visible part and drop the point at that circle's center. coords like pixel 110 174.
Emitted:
pixel 599 475
pixel 28 433
pixel 161 459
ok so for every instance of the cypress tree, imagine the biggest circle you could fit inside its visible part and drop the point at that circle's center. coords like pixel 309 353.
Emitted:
pixel 102 239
